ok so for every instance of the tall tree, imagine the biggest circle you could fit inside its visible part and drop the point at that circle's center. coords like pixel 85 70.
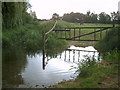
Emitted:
pixel 55 16
pixel 93 18
pixel 14 14
pixel 104 18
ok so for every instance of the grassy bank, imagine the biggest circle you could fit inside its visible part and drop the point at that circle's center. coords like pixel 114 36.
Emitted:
pixel 102 74
pixel 110 42
pixel 98 75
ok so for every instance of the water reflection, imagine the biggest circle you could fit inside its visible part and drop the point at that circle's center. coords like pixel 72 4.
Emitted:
pixel 13 63
pixel 73 54
pixel 25 69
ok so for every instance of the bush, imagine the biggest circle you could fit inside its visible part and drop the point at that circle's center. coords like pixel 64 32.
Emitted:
pixel 86 67
pixel 27 36
pixel 112 57
pixel 110 41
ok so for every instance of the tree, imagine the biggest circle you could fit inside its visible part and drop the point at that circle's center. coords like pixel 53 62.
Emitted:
pixel 104 18
pixel 88 13
pixel 55 16
pixel 13 14
pixel 88 17
pixel 74 17
pixel 115 16
pixel 93 18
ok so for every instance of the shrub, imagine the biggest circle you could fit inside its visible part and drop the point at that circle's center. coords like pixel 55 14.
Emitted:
pixel 110 41
pixel 86 67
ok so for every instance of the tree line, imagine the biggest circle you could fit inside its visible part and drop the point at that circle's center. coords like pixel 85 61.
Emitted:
pixel 15 14
pixel 89 17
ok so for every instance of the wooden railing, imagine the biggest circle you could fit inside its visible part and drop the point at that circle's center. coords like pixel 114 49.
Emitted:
pixel 74 37
pixel 74 33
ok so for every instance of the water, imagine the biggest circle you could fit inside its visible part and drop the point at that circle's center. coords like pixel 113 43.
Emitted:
pixel 23 70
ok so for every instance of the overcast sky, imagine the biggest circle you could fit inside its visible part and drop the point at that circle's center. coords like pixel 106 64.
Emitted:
pixel 45 8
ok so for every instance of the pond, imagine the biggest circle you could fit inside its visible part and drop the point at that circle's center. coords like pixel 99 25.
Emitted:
pixel 23 70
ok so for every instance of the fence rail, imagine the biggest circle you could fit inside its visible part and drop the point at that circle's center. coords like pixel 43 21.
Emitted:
pixel 74 33
pixel 86 27
pixel 75 37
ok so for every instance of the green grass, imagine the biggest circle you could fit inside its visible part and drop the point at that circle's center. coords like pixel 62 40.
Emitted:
pixel 63 24
pixel 100 70
pixel 91 75
pixel 110 42
pixel 30 36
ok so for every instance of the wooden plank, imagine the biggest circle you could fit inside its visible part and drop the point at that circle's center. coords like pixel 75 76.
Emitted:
pixel 76 39
pixel 81 40
pixel 65 34
pixel 88 27
pixel 74 34
pixel 60 30
pixel 64 38
pixel 79 33
pixel 70 34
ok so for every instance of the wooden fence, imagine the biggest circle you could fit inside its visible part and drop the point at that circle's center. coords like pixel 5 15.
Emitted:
pixel 75 33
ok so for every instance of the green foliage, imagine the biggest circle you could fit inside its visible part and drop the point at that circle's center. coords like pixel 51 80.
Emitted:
pixel 112 57
pixel 27 36
pixel 74 17
pixel 92 73
pixel 63 24
pixel 14 14
pixel 86 67
pixel 104 18
pixel 110 41
pixel 88 17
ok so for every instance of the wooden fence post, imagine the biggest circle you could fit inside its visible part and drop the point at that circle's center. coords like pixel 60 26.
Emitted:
pixel 70 33
pixel 79 33
pixel 74 33
pixel 65 34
